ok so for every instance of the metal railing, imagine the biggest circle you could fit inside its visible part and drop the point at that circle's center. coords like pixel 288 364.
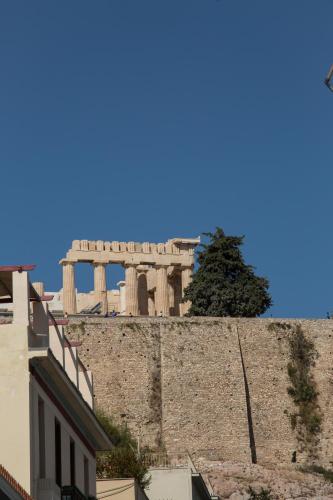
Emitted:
pixel 73 493
pixel 165 460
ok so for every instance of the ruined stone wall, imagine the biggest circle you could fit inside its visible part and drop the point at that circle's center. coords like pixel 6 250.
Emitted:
pixel 179 383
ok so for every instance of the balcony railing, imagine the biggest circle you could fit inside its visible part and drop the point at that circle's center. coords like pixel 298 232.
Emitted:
pixel 166 460
pixel 73 493
pixel 66 353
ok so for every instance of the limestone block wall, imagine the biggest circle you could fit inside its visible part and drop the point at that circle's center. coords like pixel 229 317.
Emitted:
pixel 206 385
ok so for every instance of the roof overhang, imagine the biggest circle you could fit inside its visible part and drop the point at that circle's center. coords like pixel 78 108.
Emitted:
pixel 66 397
pixel 6 283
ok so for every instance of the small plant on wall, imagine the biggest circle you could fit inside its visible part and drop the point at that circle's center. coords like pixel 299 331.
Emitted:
pixel 303 391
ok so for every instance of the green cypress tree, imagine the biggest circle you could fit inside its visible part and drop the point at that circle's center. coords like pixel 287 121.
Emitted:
pixel 223 284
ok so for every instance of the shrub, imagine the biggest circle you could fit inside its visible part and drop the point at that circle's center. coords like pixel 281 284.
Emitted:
pixel 124 460
pixel 303 391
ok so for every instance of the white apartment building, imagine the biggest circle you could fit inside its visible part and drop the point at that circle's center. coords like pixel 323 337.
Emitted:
pixel 48 431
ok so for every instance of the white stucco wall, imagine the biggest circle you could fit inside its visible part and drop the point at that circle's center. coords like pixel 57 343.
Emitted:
pixel 14 407
pixel 170 484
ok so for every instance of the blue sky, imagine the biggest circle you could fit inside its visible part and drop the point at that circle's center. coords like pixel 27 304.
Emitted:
pixel 145 120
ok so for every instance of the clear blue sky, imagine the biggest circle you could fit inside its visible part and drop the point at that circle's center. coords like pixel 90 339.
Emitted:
pixel 145 120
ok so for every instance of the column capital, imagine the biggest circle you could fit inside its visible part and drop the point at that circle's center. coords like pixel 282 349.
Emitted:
pixel 99 263
pixel 64 262
pixel 142 268
pixel 161 266
pixel 128 265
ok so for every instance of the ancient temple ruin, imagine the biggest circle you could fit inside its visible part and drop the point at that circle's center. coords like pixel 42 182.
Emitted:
pixel 156 275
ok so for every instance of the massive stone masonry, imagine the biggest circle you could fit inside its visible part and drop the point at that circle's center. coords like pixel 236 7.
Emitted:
pixel 179 383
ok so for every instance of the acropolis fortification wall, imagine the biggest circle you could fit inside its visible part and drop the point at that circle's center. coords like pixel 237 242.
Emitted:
pixel 180 383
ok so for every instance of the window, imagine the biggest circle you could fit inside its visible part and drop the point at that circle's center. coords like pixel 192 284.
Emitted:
pixel 57 449
pixel 72 461
pixel 41 437
pixel 86 475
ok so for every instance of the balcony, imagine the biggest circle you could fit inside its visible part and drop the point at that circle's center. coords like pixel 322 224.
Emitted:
pixel 27 323
pixel 65 352
pixel 73 493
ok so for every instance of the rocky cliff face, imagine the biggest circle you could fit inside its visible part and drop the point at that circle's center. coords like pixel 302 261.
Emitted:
pixel 232 480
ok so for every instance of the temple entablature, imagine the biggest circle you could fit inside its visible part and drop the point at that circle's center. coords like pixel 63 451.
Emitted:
pixel 175 246
pixel 156 274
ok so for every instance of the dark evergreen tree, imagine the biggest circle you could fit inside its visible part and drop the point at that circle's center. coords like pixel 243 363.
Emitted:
pixel 224 285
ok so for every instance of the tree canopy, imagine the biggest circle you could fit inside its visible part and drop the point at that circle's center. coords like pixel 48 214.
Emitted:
pixel 224 285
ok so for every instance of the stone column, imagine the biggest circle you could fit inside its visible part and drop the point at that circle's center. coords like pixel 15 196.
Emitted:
pixel 100 286
pixel 177 284
pixel 151 303
pixel 186 280
pixel 162 292
pixel 151 285
pixel 131 278
pixel 68 290
pixel 171 288
pixel 122 297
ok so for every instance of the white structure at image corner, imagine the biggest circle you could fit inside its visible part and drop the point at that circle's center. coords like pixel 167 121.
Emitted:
pixel 156 275
pixel 48 431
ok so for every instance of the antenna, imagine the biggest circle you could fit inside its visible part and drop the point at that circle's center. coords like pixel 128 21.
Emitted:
pixel 329 78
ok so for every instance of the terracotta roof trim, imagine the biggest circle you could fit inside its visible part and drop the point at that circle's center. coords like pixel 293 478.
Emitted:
pixel 20 268
pixel 14 484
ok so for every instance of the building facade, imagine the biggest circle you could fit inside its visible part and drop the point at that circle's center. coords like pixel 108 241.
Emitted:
pixel 48 431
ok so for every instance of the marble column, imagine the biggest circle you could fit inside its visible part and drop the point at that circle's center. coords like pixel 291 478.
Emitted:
pixel 122 297
pixel 162 292
pixel 68 290
pixel 186 280
pixel 171 295
pixel 100 286
pixel 132 302
pixel 151 303
pixel 177 288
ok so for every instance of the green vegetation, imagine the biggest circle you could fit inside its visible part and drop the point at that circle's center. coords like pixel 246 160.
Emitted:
pixel 317 469
pixel 278 326
pixel 78 326
pixel 307 420
pixel 131 325
pixel 123 460
pixel 262 495
pixel 224 285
